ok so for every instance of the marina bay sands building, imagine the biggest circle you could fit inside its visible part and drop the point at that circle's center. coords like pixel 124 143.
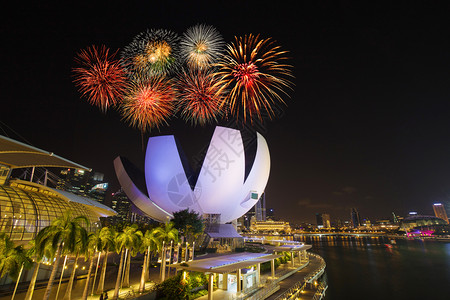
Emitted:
pixel 27 206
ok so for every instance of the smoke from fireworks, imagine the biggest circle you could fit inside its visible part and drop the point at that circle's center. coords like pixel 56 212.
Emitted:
pixel 153 52
pixel 201 45
pixel 99 77
pixel 148 103
pixel 254 73
pixel 198 97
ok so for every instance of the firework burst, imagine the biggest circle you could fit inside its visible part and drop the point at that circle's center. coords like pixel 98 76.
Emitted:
pixel 201 45
pixel 100 77
pixel 153 52
pixel 198 97
pixel 255 75
pixel 148 103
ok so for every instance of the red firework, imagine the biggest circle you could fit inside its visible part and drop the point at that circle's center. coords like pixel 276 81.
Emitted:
pixel 148 103
pixel 255 75
pixel 199 97
pixel 100 77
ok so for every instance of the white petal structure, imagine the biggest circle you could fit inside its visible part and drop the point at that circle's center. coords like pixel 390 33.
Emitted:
pixel 221 187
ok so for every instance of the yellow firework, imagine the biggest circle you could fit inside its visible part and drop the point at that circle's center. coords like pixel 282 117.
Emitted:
pixel 254 74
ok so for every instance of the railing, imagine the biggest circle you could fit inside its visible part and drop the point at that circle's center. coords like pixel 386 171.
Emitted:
pixel 296 289
pixel 292 291
pixel 320 291
pixel 265 292
pixel 320 269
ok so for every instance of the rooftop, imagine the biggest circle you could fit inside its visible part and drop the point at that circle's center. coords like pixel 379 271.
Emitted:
pixel 226 263
pixel 15 154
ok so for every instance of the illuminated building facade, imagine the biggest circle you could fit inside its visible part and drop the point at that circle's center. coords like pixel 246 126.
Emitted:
pixel 439 211
pixel 25 206
pixel 84 183
pixel 356 220
pixel 323 221
pixel 270 226
pixel 424 226
pixel 121 204
pixel 229 183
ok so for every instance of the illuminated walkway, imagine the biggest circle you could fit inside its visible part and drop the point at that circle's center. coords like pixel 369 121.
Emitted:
pixel 286 275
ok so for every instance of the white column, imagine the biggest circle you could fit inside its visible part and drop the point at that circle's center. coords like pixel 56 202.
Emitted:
pixel 292 258
pixel 210 285
pixel 238 280
pixel 225 282
pixel 258 274
pixel 272 268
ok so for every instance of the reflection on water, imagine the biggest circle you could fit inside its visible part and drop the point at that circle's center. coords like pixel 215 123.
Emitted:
pixel 374 268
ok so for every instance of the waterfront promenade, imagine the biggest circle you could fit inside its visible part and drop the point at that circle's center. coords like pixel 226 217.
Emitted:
pixel 286 276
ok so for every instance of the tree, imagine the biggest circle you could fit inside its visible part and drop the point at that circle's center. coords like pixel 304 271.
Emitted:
pixel 166 233
pixel 107 244
pixel 33 251
pixel 12 259
pixel 62 235
pixel 124 241
pixel 149 243
pixel 93 244
pixel 188 223
pixel 79 249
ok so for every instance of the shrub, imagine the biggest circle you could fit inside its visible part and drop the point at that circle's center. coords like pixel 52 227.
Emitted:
pixel 173 288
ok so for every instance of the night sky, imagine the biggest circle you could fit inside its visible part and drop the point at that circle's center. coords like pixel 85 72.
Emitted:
pixel 367 125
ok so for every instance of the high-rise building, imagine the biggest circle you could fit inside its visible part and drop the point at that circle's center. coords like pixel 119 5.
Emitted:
pixel 260 208
pixel 326 220
pixel 323 220
pixel 439 211
pixel 121 204
pixel 356 220
pixel 83 183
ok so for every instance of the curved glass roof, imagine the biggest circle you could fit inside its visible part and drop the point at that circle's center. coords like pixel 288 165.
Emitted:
pixel 26 208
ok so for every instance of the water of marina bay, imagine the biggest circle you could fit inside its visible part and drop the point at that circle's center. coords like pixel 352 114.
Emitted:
pixel 365 268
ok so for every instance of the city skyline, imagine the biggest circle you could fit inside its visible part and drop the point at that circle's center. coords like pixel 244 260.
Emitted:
pixel 366 125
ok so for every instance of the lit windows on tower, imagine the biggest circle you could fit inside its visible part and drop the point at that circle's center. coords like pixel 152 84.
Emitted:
pixel 439 211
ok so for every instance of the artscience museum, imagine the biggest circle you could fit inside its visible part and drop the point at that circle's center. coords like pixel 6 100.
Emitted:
pixel 227 185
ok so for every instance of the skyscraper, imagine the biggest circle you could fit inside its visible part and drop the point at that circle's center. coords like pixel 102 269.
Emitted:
pixel 260 208
pixel 323 221
pixel 439 211
pixel 121 204
pixel 356 220
pixel 83 183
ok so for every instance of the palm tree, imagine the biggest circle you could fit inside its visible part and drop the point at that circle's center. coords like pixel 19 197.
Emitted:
pixel 80 248
pixel 133 250
pixel 38 257
pixel 107 244
pixel 124 241
pixel 12 259
pixel 94 243
pixel 63 234
pixel 149 244
pixel 166 234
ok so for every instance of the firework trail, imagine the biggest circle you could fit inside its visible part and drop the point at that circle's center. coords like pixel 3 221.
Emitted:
pixel 148 103
pixel 198 97
pixel 254 74
pixel 153 52
pixel 201 45
pixel 100 77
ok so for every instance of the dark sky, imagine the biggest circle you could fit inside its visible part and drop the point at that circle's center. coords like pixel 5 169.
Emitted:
pixel 367 125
